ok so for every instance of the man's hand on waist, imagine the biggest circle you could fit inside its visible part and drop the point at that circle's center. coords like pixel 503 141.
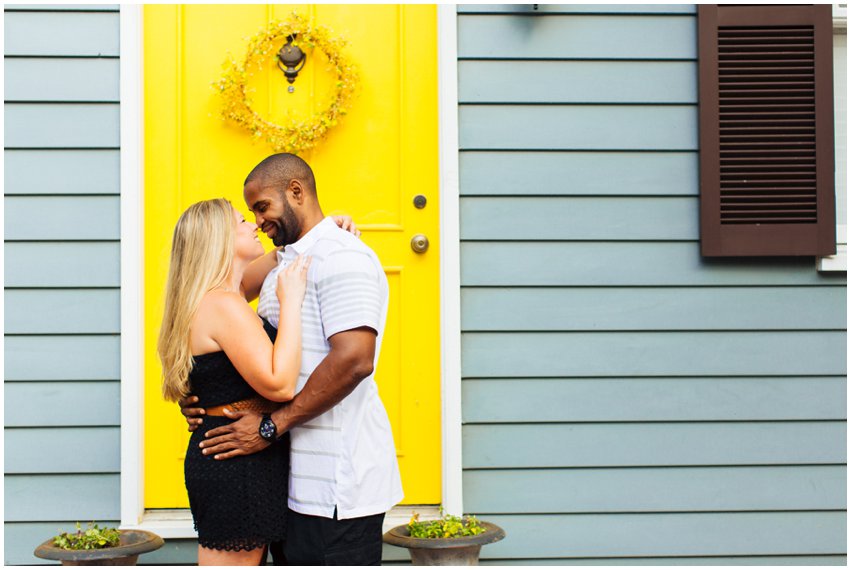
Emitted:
pixel 241 437
pixel 192 414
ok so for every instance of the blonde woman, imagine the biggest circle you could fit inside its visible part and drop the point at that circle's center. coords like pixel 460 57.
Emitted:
pixel 213 345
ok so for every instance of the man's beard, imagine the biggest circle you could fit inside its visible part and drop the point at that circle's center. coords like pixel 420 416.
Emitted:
pixel 288 227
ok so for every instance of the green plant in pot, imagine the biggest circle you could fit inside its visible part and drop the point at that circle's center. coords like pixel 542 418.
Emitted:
pixel 99 546
pixel 448 541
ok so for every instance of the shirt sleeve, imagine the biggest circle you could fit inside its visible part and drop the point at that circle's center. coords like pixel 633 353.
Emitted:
pixel 349 292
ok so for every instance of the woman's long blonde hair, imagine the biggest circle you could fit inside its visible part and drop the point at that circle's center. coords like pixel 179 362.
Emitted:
pixel 201 259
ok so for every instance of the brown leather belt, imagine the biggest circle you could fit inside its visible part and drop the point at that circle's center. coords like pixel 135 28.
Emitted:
pixel 258 404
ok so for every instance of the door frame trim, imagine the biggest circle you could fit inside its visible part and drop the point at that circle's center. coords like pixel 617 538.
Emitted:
pixel 450 258
pixel 132 264
pixel 179 525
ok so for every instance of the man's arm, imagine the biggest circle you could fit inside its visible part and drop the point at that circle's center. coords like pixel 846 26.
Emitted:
pixel 349 361
pixel 255 274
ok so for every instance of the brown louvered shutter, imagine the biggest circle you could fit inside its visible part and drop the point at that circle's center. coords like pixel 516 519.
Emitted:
pixel 766 130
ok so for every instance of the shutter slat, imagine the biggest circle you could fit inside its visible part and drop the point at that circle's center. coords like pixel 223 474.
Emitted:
pixel 791 198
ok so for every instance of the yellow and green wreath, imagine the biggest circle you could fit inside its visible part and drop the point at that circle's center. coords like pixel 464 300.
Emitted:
pixel 298 135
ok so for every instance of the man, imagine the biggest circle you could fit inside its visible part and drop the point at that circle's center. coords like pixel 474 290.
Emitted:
pixel 343 470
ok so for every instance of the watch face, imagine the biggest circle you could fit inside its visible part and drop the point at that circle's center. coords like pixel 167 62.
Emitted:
pixel 267 429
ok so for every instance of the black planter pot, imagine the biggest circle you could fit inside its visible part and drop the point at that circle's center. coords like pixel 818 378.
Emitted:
pixel 132 544
pixel 461 551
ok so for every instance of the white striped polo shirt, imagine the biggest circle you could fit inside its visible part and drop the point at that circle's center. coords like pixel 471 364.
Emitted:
pixel 344 458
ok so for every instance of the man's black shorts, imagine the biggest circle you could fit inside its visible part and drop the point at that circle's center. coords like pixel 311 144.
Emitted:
pixel 318 541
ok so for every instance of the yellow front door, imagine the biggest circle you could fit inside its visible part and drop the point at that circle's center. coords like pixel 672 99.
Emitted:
pixel 372 165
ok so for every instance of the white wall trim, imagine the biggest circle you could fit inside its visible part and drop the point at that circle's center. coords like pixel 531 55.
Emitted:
pixel 132 283
pixel 838 261
pixel 450 258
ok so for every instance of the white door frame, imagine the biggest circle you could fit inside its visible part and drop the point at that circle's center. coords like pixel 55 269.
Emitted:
pixel 178 523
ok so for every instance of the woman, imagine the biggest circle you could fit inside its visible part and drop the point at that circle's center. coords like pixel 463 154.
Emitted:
pixel 213 345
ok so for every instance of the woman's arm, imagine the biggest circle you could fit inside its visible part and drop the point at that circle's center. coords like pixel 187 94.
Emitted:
pixel 271 369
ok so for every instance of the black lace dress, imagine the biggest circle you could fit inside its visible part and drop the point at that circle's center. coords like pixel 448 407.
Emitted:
pixel 238 503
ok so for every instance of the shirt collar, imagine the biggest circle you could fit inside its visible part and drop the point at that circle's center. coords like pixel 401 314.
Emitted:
pixel 311 237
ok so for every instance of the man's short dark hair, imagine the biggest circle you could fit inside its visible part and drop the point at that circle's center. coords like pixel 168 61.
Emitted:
pixel 280 169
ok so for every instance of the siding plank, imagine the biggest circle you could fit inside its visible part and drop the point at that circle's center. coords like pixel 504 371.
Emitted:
pixel 653 444
pixel 62 33
pixel 655 490
pixel 65 79
pixel 61 404
pixel 500 355
pixel 652 308
pixel 81 264
pixel 61 497
pixel 65 450
pixel 576 37
pixel 524 173
pixel 585 127
pixel 579 218
pixel 576 9
pixel 624 264
pixel 62 357
pixel 577 82
pixel 61 7
pixel 49 125
pixel 792 560
pixel 710 534
pixel 57 218
pixel 62 172
pixel 46 311
pixel 654 399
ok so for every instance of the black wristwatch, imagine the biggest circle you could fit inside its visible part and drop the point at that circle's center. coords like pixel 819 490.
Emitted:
pixel 268 429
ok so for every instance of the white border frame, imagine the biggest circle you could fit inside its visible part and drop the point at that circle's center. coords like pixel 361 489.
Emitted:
pixel 173 524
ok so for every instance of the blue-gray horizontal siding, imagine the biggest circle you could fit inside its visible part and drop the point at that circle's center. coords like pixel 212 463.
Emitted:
pixel 61 7
pixel 70 403
pixel 536 9
pixel 677 534
pixel 68 218
pixel 825 560
pixel 577 173
pixel 671 399
pixel 62 357
pixel 626 401
pixel 653 308
pixel 588 127
pixel 486 81
pixel 624 263
pixel 61 33
pixel 576 36
pixel 66 79
pixel 61 125
pixel 89 311
pixel 62 307
pixel 71 450
pixel 686 489
pixel 62 172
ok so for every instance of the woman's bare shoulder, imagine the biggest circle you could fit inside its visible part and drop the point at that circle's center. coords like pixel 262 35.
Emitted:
pixel 221 303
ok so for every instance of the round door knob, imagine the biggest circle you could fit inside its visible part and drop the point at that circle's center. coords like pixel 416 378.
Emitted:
pixel 419 243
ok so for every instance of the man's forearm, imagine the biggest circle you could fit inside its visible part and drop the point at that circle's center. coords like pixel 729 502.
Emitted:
pixel 331 381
